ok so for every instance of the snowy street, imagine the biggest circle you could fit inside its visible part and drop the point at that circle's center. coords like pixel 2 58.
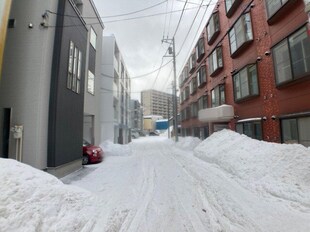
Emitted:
pixel 153 185
pixel 228 182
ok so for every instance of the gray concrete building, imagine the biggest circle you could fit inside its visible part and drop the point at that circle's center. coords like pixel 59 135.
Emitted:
pixel 47 56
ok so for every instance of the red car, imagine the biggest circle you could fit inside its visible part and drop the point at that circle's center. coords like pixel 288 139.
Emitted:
pixel 91 154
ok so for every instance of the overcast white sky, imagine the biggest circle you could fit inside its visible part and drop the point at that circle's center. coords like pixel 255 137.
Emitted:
pixel 140 39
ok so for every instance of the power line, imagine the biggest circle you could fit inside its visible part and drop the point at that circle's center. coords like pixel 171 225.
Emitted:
pixel 193 24
pixel 180 19
pixel 119 20
pixel 110 16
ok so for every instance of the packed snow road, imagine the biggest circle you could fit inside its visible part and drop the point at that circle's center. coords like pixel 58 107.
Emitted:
pixel 154 185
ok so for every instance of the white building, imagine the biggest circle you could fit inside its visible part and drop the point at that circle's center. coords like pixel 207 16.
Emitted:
pixel 115 94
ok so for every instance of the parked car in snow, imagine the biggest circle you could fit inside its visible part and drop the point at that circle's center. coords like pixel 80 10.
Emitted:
pixel 91 154
pixel 153 133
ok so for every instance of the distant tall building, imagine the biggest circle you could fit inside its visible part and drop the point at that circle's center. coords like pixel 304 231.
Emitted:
pixel 157 103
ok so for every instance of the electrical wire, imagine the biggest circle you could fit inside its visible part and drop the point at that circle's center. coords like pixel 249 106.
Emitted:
pixel 110 16
pixel 193 24
pixel 180 19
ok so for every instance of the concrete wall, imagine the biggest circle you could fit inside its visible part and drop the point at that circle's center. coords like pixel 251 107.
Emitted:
pixel 93 62
pixel 106 92
pixel 26 77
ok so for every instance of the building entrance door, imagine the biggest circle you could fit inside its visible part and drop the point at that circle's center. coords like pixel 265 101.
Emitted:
pixel 5 122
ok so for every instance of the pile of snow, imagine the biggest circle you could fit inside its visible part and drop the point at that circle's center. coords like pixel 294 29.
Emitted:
pixel 279 170
pixel 32 200
pixel 188 143
pixel 111 149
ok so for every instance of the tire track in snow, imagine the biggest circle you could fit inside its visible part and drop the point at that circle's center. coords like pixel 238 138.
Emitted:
pixel 136 216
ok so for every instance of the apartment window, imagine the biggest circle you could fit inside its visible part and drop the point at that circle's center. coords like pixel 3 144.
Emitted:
pixel 218 96
pixel 251 129
pixel 91 83
pixel 273 6
pixel 215 61
pixel 296 130
pixel 186 92
pixel 245 83
pixel 78 79
pixel 213 27
pixel 231 6
pixel 192 62
pixel 93 38
pixel 292 57
pixel 188 112
pixel 194 110
pixel 241 33
pixel 200 49
pixel 74 68
pixel 203 102
pixel 193 85
pixel 201 76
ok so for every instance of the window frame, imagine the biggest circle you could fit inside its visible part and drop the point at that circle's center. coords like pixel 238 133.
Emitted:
pixel 74 68
pixel 200 49
pixel 91 82
pixel 219 61
pixel 218 91
pixel 238 43
pixel 201 79
pixel 213 27
pixel 297 129
pixel 250 94
pixel 252 124
pixel 93 38
pixel 232 8
pixel 282 4
pixel 287 43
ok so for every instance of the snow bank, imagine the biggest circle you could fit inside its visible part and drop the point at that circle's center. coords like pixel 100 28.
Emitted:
pixel 111 149
pixel 280 170
pixel 188 143
pixel 32 200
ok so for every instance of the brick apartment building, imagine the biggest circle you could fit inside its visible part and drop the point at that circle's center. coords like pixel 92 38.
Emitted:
pixel 250 72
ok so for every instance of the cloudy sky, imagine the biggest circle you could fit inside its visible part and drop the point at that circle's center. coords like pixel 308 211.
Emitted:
pixel 140 40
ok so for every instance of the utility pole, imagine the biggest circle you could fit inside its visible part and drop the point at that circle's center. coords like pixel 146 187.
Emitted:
pixel 175 99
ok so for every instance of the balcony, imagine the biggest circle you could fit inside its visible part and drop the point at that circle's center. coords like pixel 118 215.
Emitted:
pixel 223 113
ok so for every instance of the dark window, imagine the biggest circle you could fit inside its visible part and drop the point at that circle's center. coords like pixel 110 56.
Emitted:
pixel 240 33
pixel 74 68
pixel 296 130
pixel 251 129
pixel 194 110
pixel 186 92
pixel 192 62
pixel 218 96
pixel 215 60
pixel 213 27
pixel 193 85
pixel 203 102
pixel 200 49
pixel 292 57
pixel 201 76
pixel 245 83
pixel 273 6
